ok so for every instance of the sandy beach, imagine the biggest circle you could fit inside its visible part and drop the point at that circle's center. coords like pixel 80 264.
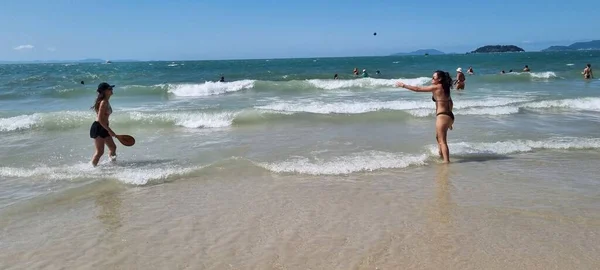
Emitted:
pixel 470 215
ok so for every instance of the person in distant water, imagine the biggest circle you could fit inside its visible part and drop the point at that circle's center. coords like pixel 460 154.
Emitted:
pixel 365 74
pixel 100 130
pixel 460 79
pixel 377 72
pixel 510 71
pixel 335 77
pixel 355 72
pixel 441 84
pixel 587 72
pixel 526 68
pixel 502 72
pixel 222 79
pixel 82 82
pixel 470 71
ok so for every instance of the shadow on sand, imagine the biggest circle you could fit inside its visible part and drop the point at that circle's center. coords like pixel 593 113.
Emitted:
pixel 480 158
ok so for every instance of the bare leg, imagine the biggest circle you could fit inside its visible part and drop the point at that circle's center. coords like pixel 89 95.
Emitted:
pixel 99 144
pixel 439 149
pixel 452 107
pixel 441 124
pixel 112 148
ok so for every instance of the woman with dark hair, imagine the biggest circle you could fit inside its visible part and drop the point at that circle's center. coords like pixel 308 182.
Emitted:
pixel 441 84
pixel 100 131
pixel 587 72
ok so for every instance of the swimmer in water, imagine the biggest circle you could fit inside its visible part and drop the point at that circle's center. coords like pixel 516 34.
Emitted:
pixel 441 84
pixel 526 68
pixel 587 72
pixel 222 79
pixel 460 79
pixel 355 72
pixel 365 74
pixel 470 71
pixel 335 77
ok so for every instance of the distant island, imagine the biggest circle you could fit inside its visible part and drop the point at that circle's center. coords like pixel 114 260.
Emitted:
pixel 421 52
pixel 498 49
pixel 577 46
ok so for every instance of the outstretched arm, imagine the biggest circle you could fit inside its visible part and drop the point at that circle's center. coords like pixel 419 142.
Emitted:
pixel 429 88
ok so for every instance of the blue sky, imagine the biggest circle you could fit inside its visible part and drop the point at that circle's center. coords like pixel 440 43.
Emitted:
pixel 234 29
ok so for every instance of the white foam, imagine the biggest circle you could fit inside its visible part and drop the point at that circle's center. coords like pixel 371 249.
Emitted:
pixel 20 122
pixel 344 107
pixel 589 103
pixel 143 176
pixel 209 88
pixel 127 175
pixel 543 75
pixel 570 64
pixel 519 146
pixel 364 83
pixel 364 161
pixel 189 120
pixel 418 108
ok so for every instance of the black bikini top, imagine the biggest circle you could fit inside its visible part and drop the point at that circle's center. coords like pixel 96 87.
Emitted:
pixel 433 99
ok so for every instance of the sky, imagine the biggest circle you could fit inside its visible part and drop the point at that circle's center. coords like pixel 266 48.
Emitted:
pixel 246 29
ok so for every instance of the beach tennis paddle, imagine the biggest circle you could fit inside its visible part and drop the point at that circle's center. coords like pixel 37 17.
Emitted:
pixel 125 140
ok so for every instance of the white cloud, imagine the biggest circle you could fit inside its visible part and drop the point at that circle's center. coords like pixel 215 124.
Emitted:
pixel 51 49
pixel 24 47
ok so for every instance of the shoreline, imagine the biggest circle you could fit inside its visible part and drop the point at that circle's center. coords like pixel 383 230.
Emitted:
pixel 470 215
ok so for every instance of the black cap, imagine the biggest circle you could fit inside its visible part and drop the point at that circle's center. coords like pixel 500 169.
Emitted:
pixel 104 86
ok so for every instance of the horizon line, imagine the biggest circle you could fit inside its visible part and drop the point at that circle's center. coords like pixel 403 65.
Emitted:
pixel 224 59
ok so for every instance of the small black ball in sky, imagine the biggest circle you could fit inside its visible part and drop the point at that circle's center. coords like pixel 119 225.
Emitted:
pixel 375 33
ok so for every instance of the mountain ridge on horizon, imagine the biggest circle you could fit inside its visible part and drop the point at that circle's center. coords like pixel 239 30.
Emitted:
pixel 420 52
pixel 577 46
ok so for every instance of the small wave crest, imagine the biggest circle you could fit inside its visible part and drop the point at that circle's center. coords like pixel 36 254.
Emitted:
pixel 127 173
pixel 519 146
pixel 188 119
pixel 588 103
pixel 209 88
pixel 53 120
pixel 344 107
pixel 414 107
pixel 363 83
pixel 365 161
pixel 377 160
pixel 543 75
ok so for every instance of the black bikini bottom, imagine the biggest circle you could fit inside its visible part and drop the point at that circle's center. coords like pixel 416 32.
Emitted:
pixel 447 113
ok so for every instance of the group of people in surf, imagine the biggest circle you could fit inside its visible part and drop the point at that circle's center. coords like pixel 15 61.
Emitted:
pixel 441 84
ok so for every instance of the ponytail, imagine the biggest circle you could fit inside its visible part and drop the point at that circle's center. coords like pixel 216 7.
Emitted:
pixel 99 99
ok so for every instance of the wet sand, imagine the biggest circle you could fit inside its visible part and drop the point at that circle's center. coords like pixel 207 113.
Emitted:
pixel 523 212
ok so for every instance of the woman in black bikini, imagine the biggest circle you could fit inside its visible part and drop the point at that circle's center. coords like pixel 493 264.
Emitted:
pixel 100 131
pixel 441 84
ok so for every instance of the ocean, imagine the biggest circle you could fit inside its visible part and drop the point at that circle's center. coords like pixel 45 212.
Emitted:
pixel 288 120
